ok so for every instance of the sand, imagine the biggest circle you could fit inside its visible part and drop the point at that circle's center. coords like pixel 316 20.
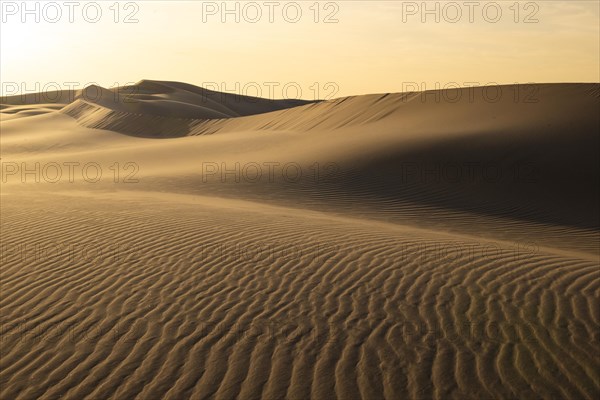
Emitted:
pixel 439 245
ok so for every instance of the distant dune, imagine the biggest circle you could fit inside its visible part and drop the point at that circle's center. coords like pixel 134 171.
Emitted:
pixel 423 245
pixel 137 109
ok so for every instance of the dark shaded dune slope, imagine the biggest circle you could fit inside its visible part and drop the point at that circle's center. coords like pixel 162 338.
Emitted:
pixel 526 152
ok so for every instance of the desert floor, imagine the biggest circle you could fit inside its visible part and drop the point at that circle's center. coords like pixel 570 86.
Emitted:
pixel 164 242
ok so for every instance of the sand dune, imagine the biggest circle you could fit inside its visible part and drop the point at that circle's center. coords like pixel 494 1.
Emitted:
pixel 150 108
pixel 412 245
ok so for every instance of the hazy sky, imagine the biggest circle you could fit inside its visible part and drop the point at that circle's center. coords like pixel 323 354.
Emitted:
pixel 331 49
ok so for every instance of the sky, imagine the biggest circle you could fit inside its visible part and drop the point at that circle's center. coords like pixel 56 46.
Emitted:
pixel 302 49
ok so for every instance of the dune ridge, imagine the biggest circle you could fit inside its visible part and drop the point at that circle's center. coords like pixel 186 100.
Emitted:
pixel 540 154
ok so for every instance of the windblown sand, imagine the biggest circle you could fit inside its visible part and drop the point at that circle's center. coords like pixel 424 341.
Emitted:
pixel 397 246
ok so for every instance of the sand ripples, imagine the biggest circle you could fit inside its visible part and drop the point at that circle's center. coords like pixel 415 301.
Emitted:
pixel 209 302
